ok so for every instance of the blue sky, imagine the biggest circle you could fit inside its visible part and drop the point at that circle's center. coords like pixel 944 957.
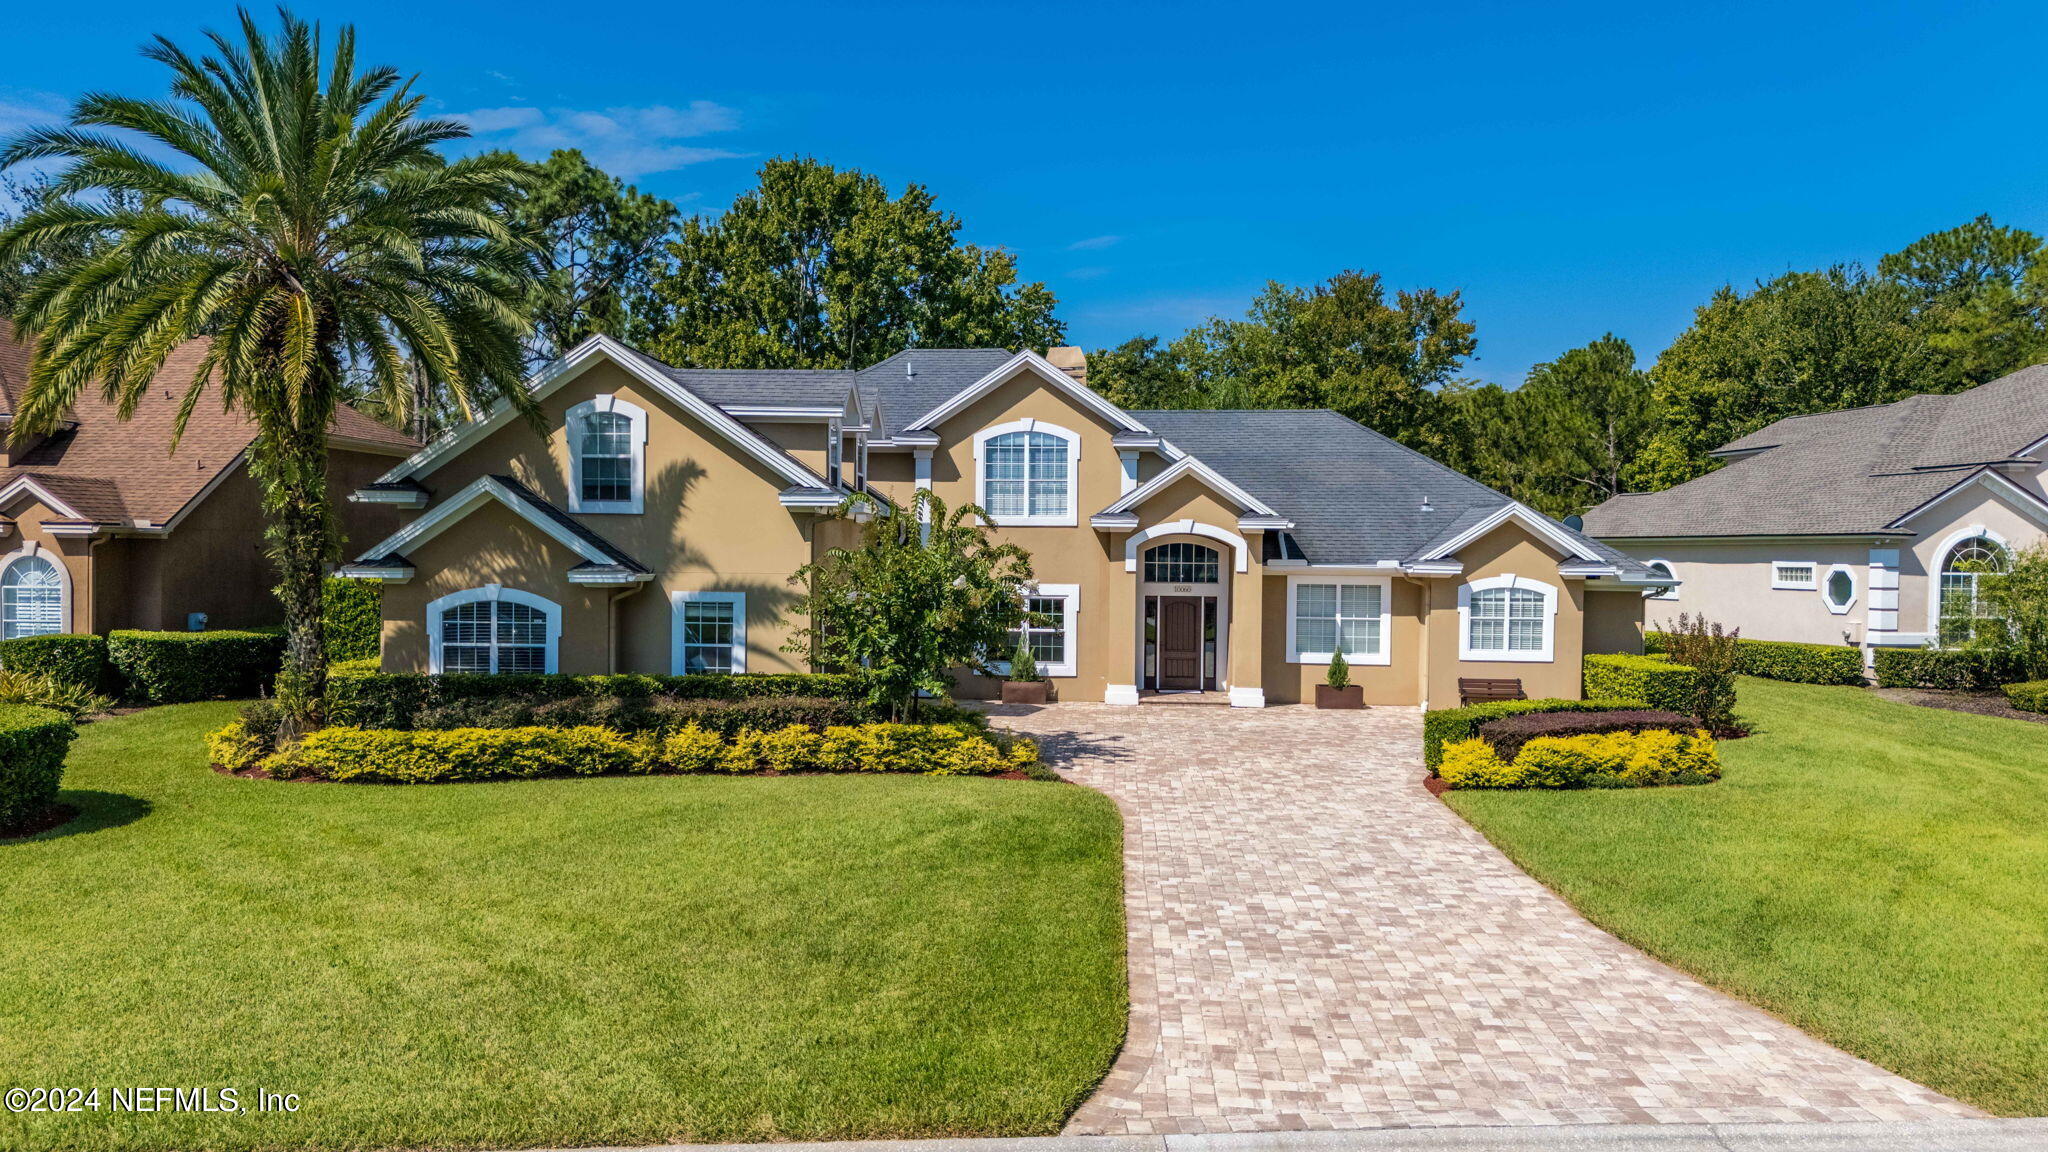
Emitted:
pixel 1575 169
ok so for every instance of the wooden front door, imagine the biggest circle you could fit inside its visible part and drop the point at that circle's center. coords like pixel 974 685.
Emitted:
pixel 1180 642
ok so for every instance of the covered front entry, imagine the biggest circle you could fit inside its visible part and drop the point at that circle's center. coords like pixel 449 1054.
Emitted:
pixel 1185 602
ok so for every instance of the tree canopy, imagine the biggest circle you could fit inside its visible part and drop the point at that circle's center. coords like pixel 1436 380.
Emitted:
pixel 818 267
pixel 598 241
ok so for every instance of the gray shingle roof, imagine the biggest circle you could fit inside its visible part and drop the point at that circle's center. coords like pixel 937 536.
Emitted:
pixel 913 382
pixel 577 528
pixel 1354 495
pixel 1852 472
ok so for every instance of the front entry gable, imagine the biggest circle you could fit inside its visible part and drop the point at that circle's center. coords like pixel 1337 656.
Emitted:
pixel 596 561
pixel 1250 512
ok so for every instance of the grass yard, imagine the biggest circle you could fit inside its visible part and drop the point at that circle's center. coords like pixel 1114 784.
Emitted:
pixel 561 962
pixel 1873 872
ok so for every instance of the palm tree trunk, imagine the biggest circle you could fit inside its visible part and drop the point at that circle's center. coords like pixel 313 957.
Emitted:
pixel 291 465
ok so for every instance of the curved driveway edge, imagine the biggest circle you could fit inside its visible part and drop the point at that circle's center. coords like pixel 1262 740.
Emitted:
pixel 1316 943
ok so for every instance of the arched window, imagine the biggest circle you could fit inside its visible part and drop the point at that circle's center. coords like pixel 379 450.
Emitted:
pixel 607 454
pixel 1962 605
pixel 1507 618
pixel 1182 562
pixel 31 597
pixel 1027 471
pixel 1662 568
pixel 494 630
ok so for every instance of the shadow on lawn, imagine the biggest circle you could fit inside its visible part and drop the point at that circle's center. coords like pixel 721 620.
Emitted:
pixel 97 811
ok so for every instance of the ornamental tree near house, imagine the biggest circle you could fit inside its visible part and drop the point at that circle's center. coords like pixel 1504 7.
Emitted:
pixel 305 224
pixel 924 592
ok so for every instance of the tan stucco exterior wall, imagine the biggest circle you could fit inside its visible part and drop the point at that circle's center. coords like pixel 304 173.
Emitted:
pixel 1730 584
pixel 1399 681
pixel 1966 512
pixel 1614 620
pixel 1508 550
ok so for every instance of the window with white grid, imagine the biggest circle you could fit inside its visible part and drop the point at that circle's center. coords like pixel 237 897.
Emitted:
pixel 1026 473
pixel 1049 627
pixel 607 454
pixel 31 598
pixel 711 632
pixel 1329 612
pixel 1508 618
pixel 496 631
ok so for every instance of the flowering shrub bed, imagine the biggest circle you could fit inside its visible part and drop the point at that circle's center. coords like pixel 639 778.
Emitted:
pixel 1600 760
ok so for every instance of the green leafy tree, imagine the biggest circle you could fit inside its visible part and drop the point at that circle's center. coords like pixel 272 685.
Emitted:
pixel 819 268
pixel 1978 294
pixel 2012 612
pixel 1339 344
pixel 599 242
pixel 306 221
pixel 923 592
pixel 1569 437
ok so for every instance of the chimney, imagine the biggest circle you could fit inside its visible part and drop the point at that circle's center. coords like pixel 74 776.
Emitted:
pixel 1070 360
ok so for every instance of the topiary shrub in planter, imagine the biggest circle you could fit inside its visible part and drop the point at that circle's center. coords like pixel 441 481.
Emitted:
pixel 1605 760
pixel 1653 681
pixel 33 742
pixel 2031 696
pixel 70 658
pixel 177 667
pixel 1024 685
pixel 1448 725
pixel 1508 734
pixel 1337 690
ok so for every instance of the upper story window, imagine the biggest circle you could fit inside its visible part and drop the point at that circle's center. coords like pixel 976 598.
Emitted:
pixel 1181 562
pixel 607 455
pixel 1026 472
pixel 1962 606
pixel 1507 618
pixel 31 597
pixel 493 630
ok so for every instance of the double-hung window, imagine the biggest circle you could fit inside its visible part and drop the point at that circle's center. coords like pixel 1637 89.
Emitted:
pixel 710 632
pixel 1507 618
pixel 1027 473
pixel 607 455
pixel 1049 627
pixel 493 630
pixel 1329 614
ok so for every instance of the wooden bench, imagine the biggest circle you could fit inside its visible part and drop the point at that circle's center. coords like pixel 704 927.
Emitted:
pixel 1482 691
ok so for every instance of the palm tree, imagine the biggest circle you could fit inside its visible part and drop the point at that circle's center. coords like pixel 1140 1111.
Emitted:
pixel 304 225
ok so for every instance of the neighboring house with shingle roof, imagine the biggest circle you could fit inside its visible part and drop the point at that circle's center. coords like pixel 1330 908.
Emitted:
pixel 1846 527
pixel 102 526
pixel 656 524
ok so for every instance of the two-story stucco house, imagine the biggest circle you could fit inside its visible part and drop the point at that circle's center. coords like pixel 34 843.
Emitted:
pixel 655 527
pixel 1864 527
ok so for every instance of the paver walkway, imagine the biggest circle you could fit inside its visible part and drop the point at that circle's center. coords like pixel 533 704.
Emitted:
pixel 1318 943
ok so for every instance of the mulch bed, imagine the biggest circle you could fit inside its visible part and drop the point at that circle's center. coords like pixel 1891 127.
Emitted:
pixel 1956 700
pixel 49 818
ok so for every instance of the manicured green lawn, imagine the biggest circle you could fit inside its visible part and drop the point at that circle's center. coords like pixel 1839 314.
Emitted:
pixel 558 963
pixel 1874 872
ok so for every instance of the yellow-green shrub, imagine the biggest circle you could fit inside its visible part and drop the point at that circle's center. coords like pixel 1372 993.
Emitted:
pixel 1599 760
pixel 237 747
pixel 453 754
pixel 794 748
pixel 692 749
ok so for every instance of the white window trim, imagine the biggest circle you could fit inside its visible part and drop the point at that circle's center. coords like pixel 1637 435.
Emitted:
pixel 1939 563
pixel 1855 589
pixel 638 435
pixel 1382 657
pixel 1669 591
pixel 1067 519
pixel 1070 631
pixel 32 548
pixel 1812 581
pixel 493 592
pixel 1543 655
pixel 738 600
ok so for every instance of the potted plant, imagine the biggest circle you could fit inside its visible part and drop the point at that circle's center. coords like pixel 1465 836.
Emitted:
pixel 1024 685
pixel 1337 690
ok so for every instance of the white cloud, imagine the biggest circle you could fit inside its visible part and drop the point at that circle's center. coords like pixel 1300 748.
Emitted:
pixel 21 111
pixel 1093 243
pixel 1088 272
pixel 627 142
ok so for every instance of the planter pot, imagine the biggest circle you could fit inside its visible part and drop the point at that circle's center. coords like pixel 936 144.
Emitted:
pixel 1328 697
pixel 1026 691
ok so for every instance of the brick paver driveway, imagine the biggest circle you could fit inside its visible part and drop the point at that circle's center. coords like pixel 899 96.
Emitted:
pixel 1318 943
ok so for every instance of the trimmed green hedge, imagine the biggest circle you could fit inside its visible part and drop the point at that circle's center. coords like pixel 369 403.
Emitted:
pixel 1450 725
pixel 1654 681
pixel 395 699
pixel 73 658
pixel 176 667
pixel 1952 668
pixel 352 616
pixel 1787 660
pixel 33 742
pixel 2031 696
